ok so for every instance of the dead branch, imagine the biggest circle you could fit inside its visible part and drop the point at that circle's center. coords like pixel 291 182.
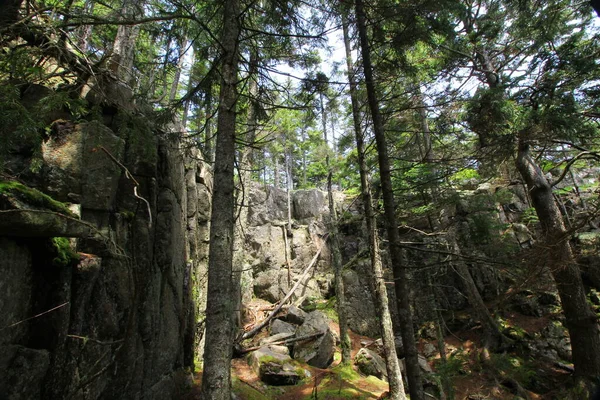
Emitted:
pixel 264 323
pixel 283 342
pixel 89 339
pixel 35 316
pixel 570 163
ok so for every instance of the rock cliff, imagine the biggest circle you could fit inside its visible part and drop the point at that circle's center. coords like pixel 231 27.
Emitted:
pixel 113 311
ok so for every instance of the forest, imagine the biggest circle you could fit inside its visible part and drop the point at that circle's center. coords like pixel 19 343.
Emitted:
pixel 460 135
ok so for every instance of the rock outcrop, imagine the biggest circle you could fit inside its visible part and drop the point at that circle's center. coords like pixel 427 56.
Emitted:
pixel 119 318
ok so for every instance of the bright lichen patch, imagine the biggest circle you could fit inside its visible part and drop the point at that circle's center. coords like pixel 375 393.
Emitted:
pixel 33 197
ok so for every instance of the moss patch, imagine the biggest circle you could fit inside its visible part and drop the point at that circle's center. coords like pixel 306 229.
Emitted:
pixel 33 197
pixel 65 255
pixel 244 391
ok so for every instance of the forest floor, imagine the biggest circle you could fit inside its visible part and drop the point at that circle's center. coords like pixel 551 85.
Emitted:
pixel 468 373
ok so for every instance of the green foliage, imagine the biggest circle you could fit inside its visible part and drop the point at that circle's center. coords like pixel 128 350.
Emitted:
pixel 495 119
pixel 456 364
pixel 62 100
pixel 464 176
pixel 529 216
pixel 17 123
pixel 503 196
pixel 514 367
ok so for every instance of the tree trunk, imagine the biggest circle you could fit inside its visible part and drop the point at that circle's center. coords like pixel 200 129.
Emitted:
pixel 396 388
pixel 581 322
pixel 186 105
pixel 288 190
pixel 84 32
pixel 209 149
pixel 336 261
pixel 413 372
pixel 245 164
pixel 216 379
pixel 181 55
pixel 276 172
pixel 304 179
pixel 493 339
pixel 121 60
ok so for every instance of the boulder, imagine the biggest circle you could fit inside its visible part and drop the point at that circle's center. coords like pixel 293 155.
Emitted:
pixel 266 204
pixel 279 326
pixel 316 352
pixel 274 368
pixel 293 315
pixel 362 315
pixel 370 363
pixel 76 168
pixel 267 247
pixel 309 204
pixel 266 286
pixel 429 350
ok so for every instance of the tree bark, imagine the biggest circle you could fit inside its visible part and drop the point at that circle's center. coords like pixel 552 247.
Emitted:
pixel 216 380
pixel 396 388
pixel 84 32
pixel 182 44
pixel 244 166
pixel 493 339
pixel 413 372
pixel 581 322
pixel 121 60
pixel 336 261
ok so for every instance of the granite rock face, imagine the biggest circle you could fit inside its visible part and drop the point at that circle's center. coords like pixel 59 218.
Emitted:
pixel 117 319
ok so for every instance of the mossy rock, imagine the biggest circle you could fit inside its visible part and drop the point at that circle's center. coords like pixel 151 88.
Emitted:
pixel 275 368
pixel 31 198
pixel 65 255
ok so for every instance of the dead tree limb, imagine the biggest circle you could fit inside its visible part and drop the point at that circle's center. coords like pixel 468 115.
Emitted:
pixel 264 323
pixel 284 342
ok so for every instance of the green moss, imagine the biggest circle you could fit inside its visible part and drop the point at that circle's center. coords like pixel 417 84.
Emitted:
pixel 65 255
pixel 346 372
pixel 327 307
pixel 245 391
pixel 346 383
pixel 270 359
pixel 127 215
pixel 339 393
pixel 33 197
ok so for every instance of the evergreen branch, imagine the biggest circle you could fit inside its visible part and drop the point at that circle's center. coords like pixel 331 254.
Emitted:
pixel 92 20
